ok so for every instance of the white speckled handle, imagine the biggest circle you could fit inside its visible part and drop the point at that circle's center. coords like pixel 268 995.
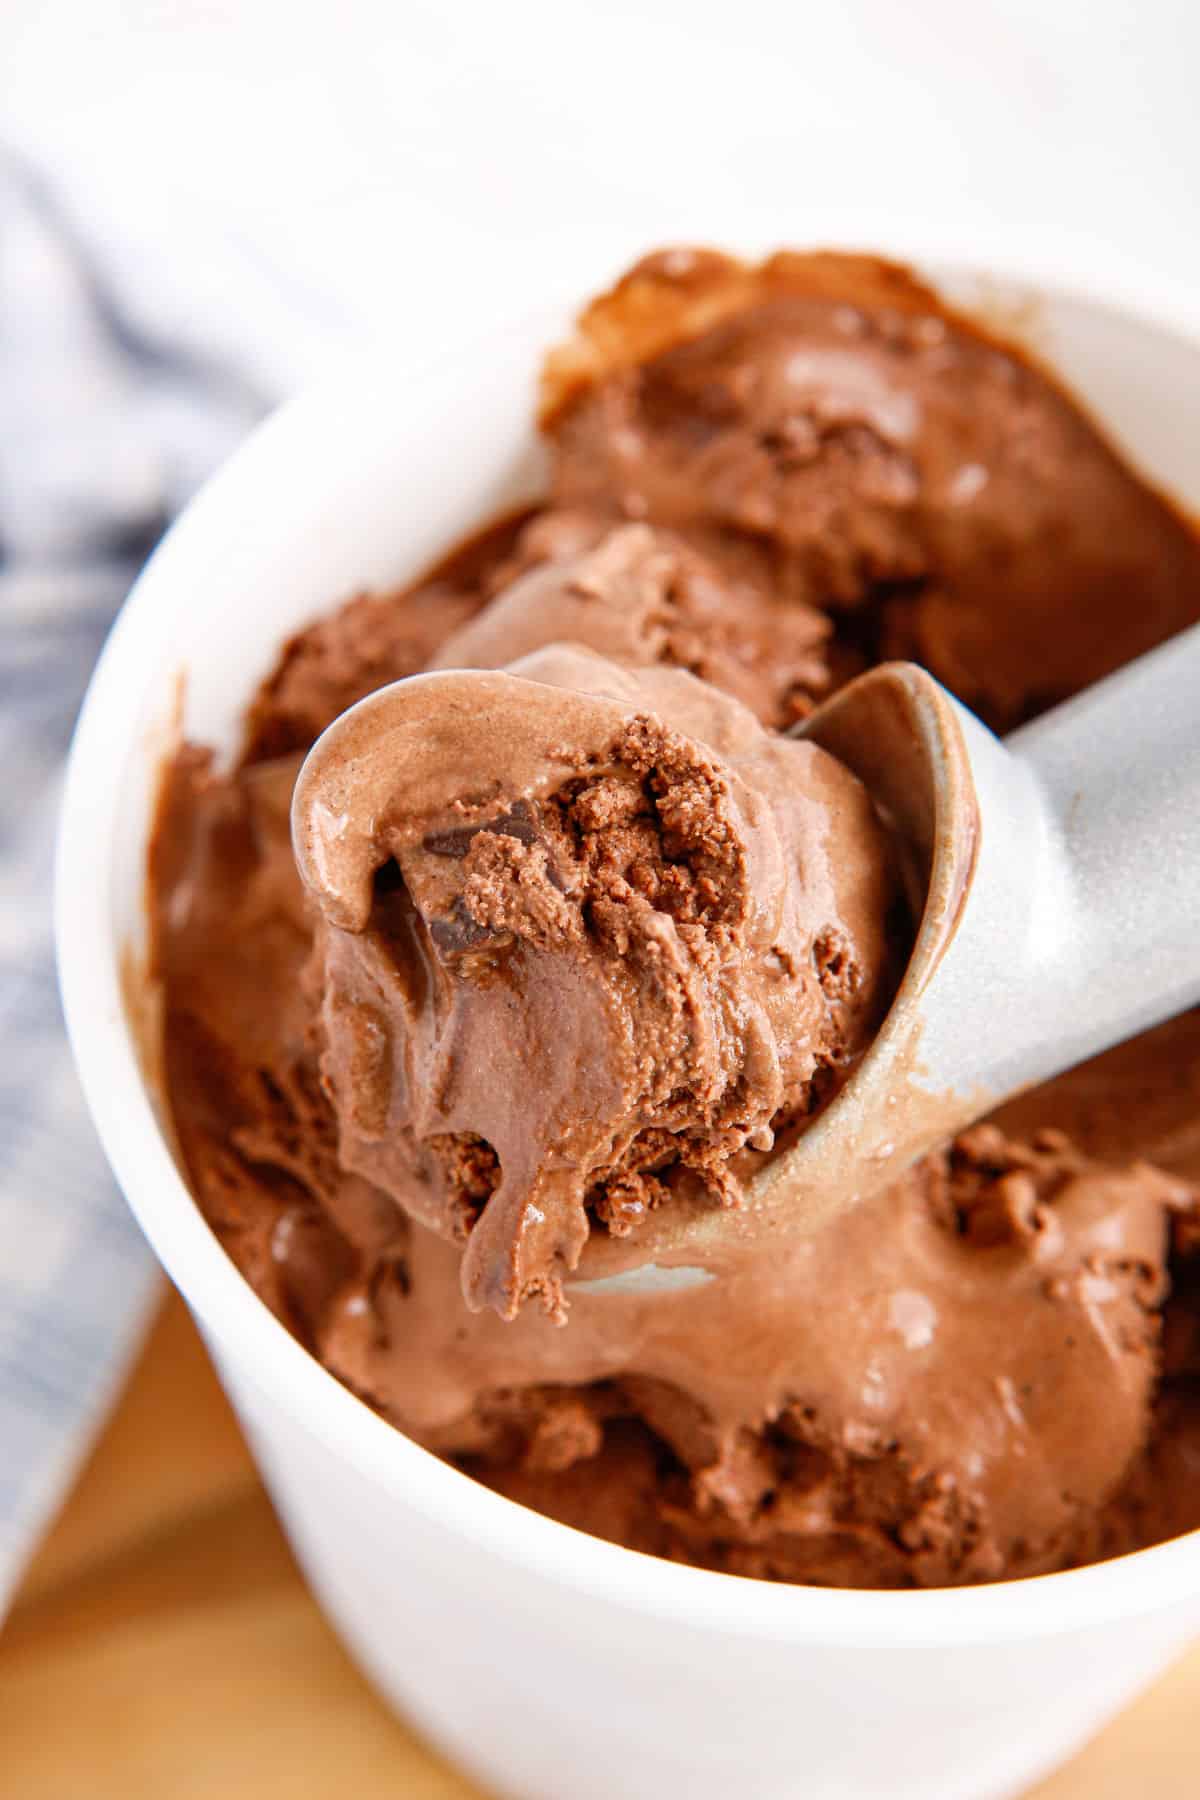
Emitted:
pixel 1083 926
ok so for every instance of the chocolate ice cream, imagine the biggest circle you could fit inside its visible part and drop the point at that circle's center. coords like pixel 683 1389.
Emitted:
pixel 898 1400
pixel 890 462
pixel 585 934
pixel 769 477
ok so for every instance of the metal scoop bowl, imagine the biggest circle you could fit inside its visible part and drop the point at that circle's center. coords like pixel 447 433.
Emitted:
pixel 1057 875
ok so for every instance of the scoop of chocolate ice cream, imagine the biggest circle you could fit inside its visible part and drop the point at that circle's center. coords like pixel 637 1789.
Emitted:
pixel 586 935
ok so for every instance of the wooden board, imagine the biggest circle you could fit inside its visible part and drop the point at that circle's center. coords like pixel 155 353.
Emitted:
pixel 164 1647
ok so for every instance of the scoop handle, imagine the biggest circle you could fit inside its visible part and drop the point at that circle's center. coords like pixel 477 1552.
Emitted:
pixel 1118 774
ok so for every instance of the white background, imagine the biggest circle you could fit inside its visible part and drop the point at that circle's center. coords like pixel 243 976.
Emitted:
pixel 401 161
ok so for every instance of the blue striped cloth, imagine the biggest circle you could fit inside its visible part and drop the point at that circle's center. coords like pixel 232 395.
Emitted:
pixel 103 434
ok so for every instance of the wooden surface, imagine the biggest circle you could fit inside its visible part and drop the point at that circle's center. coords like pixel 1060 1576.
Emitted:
pixel 164 1647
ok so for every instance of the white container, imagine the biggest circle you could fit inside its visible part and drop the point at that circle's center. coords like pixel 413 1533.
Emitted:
pixel 547 1662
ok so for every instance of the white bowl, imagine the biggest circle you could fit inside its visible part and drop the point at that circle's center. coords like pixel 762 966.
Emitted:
pixel 547 1662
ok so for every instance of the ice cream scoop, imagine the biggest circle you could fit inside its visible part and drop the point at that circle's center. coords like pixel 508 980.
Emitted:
pixel 1059 870
pixel 1049 873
